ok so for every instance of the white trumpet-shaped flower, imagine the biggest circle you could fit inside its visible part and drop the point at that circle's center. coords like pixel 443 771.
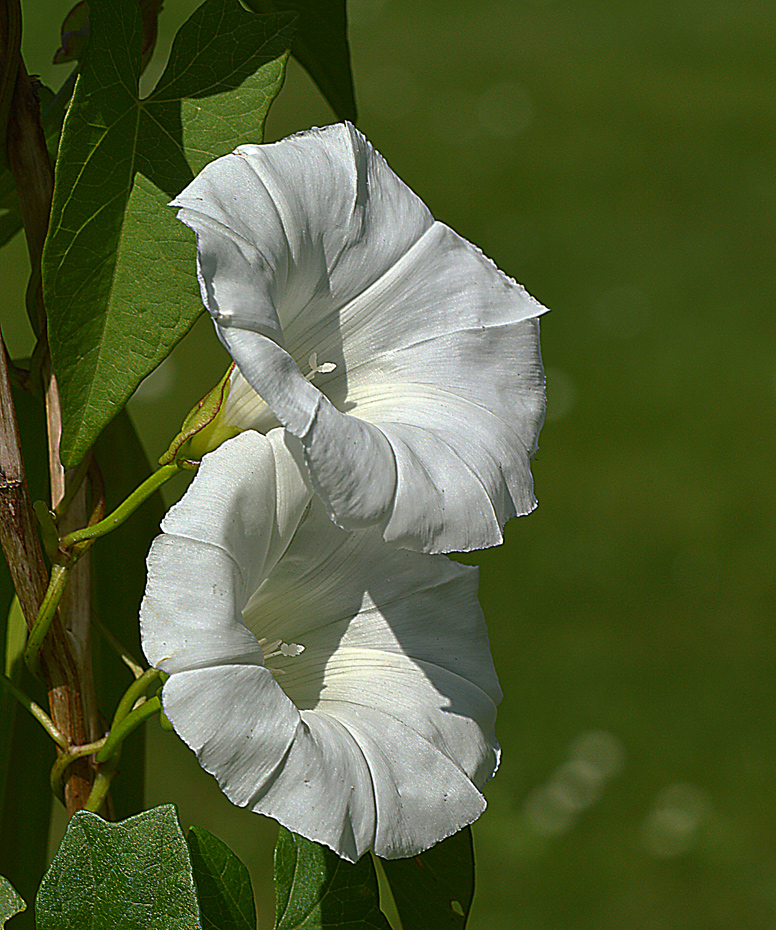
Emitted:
pixel 404 362
pixel 340 685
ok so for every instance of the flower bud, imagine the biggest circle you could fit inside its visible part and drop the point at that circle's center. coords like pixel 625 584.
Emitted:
pixel 205 427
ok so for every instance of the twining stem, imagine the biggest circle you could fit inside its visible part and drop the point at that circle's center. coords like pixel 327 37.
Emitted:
pixel 101 785
pixel 126 720
pixel 67 758
pixel 136 690
pixel 37 712
pixel 66 659
pixel 78 542
pixel 128 725
pixel 46 614
pixel 124 510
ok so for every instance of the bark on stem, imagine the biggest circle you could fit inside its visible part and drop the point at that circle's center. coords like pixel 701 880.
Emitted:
pixel 17 520
pixel 23 553
pixel 67 650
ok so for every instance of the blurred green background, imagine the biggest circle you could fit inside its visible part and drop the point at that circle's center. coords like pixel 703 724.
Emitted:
pixel 616 157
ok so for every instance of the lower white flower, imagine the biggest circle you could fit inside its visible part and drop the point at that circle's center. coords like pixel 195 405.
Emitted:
pixel 328 680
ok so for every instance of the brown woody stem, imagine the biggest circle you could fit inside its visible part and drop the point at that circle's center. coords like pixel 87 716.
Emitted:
pixel 66 652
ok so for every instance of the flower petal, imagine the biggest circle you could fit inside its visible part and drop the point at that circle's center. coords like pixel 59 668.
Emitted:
pixel 338 450
pixel 301 217
pixel 190 616
pixel 397 638
pixel 325 789
pixel 265 756
pixel 333 589
pixel 422 796
pixel 218 543
pixel 313 248
pixel 237 721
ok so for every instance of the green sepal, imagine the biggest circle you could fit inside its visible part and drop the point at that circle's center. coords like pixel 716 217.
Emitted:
pixel 203 430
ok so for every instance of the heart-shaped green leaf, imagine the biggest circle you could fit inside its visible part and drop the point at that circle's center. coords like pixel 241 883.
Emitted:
pixel 223 884
pixel 10 902
pixel 118 269
pixel 316 890
pixel 136 873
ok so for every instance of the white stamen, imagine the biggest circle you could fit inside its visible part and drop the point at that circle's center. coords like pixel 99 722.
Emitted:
pixel 279 648
pixel 324 368
pixel 291 649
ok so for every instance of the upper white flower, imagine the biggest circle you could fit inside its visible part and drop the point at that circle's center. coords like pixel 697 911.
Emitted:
pixel 340 685
pixel 404 362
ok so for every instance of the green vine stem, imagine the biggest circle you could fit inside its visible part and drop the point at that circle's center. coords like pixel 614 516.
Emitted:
pixel 136 690
pixel 130 723
pixel 71 753
pixel 125 509
pixel 126 719
pixel 101 785
pixel 46 614
pixel 82 539
pixel 37 712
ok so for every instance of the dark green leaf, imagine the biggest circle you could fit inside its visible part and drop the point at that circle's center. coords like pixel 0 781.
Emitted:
pixel 321 46
pixel 26 753
pixel 121 876
pixel 10 902
pixel 223 884
pixel 118 269
pixel 316 890
pixel 118 573
pixel 434 891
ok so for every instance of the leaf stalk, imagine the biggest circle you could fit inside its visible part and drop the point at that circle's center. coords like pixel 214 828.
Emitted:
pixel 124 510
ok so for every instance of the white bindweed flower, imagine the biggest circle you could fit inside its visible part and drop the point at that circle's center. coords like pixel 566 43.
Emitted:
pixel 340 685
pixel 404 362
